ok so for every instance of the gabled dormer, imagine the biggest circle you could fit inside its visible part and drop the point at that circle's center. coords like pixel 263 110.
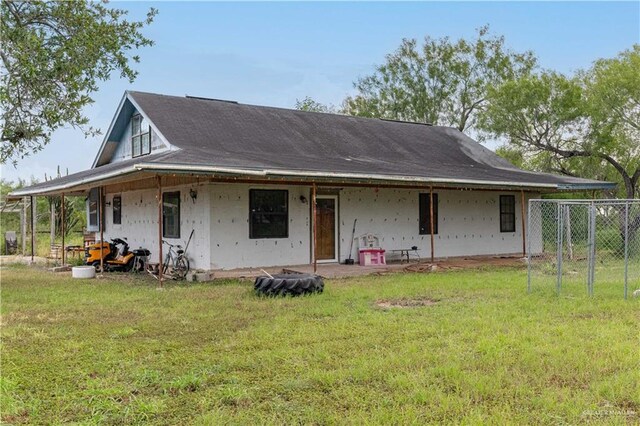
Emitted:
pixel 130 135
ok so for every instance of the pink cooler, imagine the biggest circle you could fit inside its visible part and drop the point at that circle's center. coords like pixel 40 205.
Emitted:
pixel 372 256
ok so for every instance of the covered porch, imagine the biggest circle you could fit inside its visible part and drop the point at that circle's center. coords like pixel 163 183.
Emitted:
pixel 127 178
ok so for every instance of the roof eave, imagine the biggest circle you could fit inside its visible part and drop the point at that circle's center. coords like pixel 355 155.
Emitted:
pixel 311 176
pixel 586 186
pixel 72 185
pixel 181 168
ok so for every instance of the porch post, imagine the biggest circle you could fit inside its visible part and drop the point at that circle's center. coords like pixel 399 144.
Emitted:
pixel 524 228
pixel 313 214
pixel 52 221
pixel 159 195
pixel 431 229
pixel 33 226
pixel 62 226
pixel 101 225
pixel 23 226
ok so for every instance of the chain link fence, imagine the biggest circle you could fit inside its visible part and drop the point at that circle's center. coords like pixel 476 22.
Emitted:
pixel 581 245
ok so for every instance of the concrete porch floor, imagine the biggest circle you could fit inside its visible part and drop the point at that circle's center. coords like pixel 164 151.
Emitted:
pixel 336 270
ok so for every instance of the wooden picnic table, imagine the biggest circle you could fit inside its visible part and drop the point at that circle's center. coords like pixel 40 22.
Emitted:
pixel 75 251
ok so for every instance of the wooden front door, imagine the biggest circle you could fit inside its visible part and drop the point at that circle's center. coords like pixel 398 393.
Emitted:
pixel 326 228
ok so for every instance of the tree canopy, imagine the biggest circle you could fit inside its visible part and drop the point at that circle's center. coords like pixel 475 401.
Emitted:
pixel 586 126
pixel 440 82
pixel 612 104
pixel 54 54
pixel 310 104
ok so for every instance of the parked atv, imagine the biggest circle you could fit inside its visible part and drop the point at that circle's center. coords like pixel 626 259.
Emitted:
pixel 116 256
pixel 93 253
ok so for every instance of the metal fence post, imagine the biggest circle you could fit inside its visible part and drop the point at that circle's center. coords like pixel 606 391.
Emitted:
pixel 589 242
pixel 592 248
pixel 591 231
pixel 559 246
pixel 626 248
pixel 529 248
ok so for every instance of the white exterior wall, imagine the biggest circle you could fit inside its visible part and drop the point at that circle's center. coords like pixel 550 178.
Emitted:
pixel 231 246
pixel 468 224
pixel 140 222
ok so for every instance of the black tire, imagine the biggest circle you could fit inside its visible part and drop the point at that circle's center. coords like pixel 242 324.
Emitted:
pixel 289 284
pixel 129 266
pixel 96 264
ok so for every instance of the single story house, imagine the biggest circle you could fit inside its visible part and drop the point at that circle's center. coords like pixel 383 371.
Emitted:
pixel 244 178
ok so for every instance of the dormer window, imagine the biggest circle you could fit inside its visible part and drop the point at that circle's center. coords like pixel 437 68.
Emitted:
pixel 140 136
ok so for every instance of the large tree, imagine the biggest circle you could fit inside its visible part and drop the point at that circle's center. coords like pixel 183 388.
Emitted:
pixel 439 82
pixel 586 126
pixel 612 104
pixel 536 115
pixel 54 54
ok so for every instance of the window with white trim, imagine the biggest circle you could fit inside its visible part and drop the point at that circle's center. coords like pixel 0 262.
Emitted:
pixel 140 136
pixel 93 210
pixel 171 214
pixel 93 201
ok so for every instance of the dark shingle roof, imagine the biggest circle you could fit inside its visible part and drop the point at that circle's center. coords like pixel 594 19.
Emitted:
pixel 277 141
pixel 219 133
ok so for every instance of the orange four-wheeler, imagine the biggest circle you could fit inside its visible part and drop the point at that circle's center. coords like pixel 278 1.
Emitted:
pixel 116 255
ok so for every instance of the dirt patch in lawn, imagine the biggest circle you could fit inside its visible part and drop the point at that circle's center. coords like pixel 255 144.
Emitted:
pixel 462 263
pixel 406 303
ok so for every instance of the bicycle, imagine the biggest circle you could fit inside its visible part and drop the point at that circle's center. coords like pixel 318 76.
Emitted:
pixel 177 260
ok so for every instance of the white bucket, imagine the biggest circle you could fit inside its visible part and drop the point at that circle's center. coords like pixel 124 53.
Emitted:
pixel 83 272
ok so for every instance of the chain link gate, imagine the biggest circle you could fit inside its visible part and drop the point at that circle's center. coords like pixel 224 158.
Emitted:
pixel 576 244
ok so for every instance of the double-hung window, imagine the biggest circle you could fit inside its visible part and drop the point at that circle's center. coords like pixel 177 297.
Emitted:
pixel 140 136
pixel 93 205
pixel 507 213
pixel 171 215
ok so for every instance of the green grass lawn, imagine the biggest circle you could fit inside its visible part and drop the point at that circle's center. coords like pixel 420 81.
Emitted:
pixel 118 351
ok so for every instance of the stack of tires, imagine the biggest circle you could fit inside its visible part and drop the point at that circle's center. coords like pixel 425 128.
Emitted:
pixel 288 285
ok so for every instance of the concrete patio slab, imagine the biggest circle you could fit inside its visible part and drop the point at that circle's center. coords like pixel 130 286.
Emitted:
pixel 336 270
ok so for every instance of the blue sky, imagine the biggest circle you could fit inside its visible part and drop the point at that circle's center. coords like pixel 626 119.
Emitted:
pixel 274 53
